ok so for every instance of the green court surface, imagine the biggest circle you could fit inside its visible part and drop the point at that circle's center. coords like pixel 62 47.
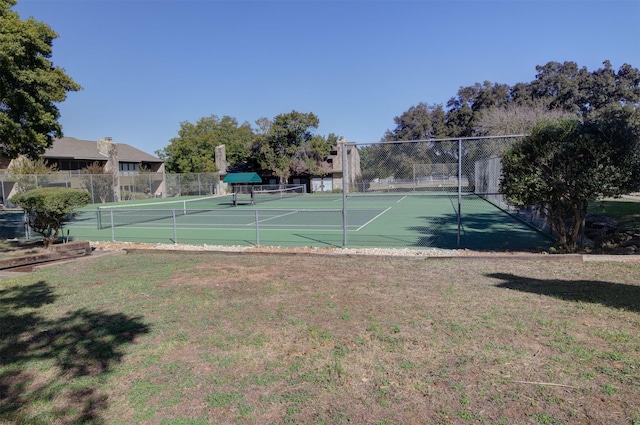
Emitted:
pixel 395 221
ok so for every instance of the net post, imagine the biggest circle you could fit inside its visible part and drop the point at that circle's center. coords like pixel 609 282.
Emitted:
pixel 345 237
pixel 459 189
pixel 257 229
pixel 415 182
pixel 113 227
pixel 175 227
pixel 4 196
pixel 93 196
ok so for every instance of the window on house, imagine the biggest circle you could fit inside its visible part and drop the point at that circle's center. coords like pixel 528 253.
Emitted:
pixel 129 168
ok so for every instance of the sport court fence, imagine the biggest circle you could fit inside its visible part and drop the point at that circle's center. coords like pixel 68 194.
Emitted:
pixel 464 167
pixel 109 187
pixel 454 173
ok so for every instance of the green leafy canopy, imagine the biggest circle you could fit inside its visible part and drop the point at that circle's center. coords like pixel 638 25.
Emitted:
pixel 30 85
pixel 563 165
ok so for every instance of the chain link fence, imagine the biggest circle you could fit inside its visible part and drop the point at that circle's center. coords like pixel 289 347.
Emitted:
pixel 438 165
pixel 113 187
pixel 451 174
pixel 444 193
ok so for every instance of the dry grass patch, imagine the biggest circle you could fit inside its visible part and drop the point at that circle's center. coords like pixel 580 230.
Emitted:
pixel 231 338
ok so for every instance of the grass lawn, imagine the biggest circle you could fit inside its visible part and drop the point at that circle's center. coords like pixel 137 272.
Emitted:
pixel 626 211
pixel 175 338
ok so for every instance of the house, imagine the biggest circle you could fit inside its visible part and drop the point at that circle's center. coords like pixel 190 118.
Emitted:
pixel 73 155
pixel 122 165
pixel 330 174
pixel 333 178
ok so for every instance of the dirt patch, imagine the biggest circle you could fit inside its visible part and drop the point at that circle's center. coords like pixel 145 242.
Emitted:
pixel 304 338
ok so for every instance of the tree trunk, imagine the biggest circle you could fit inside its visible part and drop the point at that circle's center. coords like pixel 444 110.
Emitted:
pixel 567 234
pixel 577 217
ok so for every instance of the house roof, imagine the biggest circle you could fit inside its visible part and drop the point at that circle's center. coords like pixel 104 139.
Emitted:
pixel 242 178
pixel 72 148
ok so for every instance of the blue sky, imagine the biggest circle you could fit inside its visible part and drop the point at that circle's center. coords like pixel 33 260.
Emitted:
pixel 148 65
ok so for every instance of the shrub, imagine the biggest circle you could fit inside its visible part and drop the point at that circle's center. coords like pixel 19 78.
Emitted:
pixel 48 208
pixel 562 166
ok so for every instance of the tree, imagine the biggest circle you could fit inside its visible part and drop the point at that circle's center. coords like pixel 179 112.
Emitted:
pixel 563 165
pixel 193 151
pixel 99 182
pixel 286 141
pixel 310 157
pixel 568 87
pixel 561 85
pixel 48 208
pixel 559 90
pixel 30 174
pixel 30 85
pixel 564 88
pixel 516 119
pixel 464 109
pixel 419 122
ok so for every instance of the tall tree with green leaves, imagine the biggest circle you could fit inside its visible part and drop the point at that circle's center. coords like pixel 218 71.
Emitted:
pixel 30 85
pixel 193 151
pixel 288 139
pixel 464 109
pixel 566 86
pixel 419 122
pixel 310 157
pixel 561 87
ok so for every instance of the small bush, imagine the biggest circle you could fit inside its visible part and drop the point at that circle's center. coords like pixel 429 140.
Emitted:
pixel 48 208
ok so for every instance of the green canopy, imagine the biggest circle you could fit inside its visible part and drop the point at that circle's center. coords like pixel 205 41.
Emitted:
pixel 242 178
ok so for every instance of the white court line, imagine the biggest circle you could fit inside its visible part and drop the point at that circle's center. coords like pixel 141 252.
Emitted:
pixel 272 217
pixel 365 196
pixel 365 224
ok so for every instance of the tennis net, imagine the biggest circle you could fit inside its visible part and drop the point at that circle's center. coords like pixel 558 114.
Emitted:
pixel 276 194
pixel 123 215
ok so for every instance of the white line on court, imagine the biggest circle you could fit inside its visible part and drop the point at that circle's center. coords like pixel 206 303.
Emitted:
pixel 278 228
pixel 365 196
pixel 363 226
pixel 273 217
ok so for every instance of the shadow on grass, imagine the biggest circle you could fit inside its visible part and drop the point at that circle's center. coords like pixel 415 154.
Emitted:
pixel 615 295
pixel 50 365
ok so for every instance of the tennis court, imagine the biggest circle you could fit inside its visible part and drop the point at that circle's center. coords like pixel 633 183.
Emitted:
pixel 397 220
